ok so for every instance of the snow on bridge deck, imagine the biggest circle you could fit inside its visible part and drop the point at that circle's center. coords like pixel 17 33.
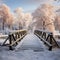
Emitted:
pixel 31 42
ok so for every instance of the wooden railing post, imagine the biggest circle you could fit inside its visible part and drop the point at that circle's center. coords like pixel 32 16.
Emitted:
pixel 51 37
pixel 43 37
pixel 15 36
pixel 18 35
pixel 50 48
pixel 10 42
pixel 47 37
pixel 14 39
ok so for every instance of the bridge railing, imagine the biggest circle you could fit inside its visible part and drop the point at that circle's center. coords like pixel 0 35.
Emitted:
pixel 47 38
pixel 14 38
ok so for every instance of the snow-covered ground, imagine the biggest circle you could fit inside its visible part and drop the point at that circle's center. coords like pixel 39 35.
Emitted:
pixel 26 50
pixel 29 55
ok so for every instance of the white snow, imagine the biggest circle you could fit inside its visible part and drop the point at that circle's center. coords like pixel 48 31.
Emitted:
pixel 2 36
pixel 30 41
pixel 29 55
pixel 56 33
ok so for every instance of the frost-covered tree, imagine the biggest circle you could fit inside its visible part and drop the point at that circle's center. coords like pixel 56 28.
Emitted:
pixel 28 20
pixel 5 15
pixel 19 17
pixel 45 17
pixel 57 22
pixel 9 21
pixel 23 19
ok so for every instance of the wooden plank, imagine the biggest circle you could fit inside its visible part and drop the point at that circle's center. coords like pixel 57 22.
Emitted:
pixel 17 31
pixel 17 40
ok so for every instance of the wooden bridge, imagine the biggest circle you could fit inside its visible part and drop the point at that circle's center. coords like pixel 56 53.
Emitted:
pixel 39 40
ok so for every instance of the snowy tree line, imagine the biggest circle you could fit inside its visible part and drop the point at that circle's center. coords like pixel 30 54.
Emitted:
pixel 44 17
pixel 47 18
pixel 17 19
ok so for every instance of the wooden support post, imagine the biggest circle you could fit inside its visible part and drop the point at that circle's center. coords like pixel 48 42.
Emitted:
pixel 44 35
pixel 51 38
pixel 14 39
pixel 50 48
pixel 47 37
pixel 40 33
pixel 10 42
pixel 55 42
pixel 18 35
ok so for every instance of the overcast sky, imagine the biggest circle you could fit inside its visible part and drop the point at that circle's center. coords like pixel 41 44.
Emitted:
pixel 27 5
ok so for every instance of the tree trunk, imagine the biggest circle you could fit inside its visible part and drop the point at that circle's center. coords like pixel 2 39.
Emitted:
pixel 3 23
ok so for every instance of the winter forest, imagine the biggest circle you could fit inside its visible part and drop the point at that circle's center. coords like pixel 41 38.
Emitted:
pixel 45 16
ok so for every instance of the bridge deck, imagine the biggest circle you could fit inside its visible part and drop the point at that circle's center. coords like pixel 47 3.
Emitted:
pixel 31 41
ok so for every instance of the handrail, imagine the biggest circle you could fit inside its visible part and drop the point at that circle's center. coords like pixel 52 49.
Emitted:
pixel 46 36
pixel 47 43
pixel 14 38
pixel 19 39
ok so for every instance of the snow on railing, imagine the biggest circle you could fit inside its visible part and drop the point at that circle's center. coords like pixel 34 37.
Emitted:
pixel 14 38
pixel 47 38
